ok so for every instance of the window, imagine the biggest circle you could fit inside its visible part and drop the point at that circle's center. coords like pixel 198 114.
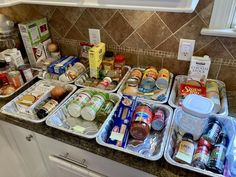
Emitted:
pixel 223 19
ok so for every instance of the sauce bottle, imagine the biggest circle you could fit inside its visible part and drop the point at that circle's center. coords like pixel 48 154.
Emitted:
pixel 202 154
pixel 217 158
pixel 46 108
pixel 184 151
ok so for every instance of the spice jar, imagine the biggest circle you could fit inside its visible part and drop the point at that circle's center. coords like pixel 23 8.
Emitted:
pixel 202 154
pixel 90 110
pixel 108 61
pixel 141 122
pixel 213 130
pixel 185 149
pixel 104 83
pixel 119 62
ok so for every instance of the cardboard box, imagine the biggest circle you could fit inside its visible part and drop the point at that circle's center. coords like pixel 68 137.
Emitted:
pixel 96 55
pixel 36 37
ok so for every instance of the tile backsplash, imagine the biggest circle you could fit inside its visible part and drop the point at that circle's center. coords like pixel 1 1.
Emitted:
pixel 145 37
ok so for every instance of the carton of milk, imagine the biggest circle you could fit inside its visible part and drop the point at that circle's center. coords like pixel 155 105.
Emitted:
pixel 36 37
pixel 199 69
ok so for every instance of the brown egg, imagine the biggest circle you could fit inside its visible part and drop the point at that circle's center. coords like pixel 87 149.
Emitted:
pixel 52 47
pixel 58 92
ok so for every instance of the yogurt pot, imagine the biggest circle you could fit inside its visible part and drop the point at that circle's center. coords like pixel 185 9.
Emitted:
pixel 196 110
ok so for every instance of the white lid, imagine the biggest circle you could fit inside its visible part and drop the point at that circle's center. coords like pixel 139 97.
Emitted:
pixel 198 106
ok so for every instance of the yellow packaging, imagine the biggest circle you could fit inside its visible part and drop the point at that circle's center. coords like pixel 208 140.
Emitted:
pixel 96 55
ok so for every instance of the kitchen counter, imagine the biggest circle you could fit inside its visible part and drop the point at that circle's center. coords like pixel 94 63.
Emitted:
pixel 159 168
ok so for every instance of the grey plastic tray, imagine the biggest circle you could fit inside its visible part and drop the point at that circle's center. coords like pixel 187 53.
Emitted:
pixel 127 70
pixel 167 93
pixel 182 78
pixel 11 109
pixel 61 120
pixel 159 150
pixel 229 125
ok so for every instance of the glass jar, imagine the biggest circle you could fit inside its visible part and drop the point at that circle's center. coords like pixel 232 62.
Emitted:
pixel 108 61
pixel 4 68
pixel 119 62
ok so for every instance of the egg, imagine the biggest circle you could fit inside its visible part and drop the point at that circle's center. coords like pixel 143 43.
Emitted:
pixel 52 47
pixel 58 92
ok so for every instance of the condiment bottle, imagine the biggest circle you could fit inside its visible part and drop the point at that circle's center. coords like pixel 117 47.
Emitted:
pixel 185 149
pixel 213 130
pixel 46 108
pixel 90 110
pixel 119 62
pixel 108 61
pixel 202 154
pixel 141 122
pixel 104 83
pixel 217 157
pixel 212 92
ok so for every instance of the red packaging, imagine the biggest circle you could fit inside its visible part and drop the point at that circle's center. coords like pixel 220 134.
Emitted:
pixel 186 89
pixel 158 121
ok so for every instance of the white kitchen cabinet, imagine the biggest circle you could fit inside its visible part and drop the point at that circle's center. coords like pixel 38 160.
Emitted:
pixel 27 147
pixel 64 160
pixel 186 6
pixel 9 159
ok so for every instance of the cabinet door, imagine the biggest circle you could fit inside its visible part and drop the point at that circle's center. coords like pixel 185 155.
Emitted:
pixel 29 151
pixel 9 159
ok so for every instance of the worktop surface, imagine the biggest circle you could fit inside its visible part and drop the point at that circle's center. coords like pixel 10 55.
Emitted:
pixel 159 168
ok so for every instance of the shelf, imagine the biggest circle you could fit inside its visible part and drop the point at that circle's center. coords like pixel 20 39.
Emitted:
pixel 186 6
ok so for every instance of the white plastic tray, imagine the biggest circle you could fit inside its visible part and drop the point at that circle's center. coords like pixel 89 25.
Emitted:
pixel 102 136
pixel 127 68
pixel 229 126
pixel 183 78
pixel 11 109
pixel 120 91
pixel 60 118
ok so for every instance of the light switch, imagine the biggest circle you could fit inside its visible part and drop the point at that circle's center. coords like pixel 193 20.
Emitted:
pixel 186 49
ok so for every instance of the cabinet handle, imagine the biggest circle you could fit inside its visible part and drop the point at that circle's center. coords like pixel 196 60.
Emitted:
pixel 29 137
pixel 68 159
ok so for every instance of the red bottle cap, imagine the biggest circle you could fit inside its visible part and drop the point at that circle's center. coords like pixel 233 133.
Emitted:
pixel 119 58
pixel 203 142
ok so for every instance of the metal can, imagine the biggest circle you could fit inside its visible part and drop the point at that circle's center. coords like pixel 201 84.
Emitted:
pixel 148 81
pixel 212 92
pixel 158 121
pixel 136 73
pixel 15 79
pixel 162 81
pixel 74 107
pixel 90 110
pixel 141 122
pixel 26 72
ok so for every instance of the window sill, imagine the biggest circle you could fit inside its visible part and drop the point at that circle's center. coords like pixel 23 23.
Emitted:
pixel 219 32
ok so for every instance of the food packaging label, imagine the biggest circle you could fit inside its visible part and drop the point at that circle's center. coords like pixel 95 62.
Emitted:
pixel 186 89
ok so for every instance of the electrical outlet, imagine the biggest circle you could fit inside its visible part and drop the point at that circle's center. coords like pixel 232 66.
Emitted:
pixel 186 49
pixel 94 36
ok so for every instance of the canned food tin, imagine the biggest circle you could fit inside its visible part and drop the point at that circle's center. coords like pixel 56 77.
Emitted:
pixel 15 79
pixel 136 73
pixel 162 81
pixel 158 121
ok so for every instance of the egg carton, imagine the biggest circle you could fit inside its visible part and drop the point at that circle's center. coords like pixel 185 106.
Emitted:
pixel 11 108
pixel 86 74
pixel 183 78
pixel 161 136
pixel 61 119
pixel 229 125
pixel 162 99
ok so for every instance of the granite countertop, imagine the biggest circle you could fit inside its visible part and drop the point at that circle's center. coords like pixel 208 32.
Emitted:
pixel 159 168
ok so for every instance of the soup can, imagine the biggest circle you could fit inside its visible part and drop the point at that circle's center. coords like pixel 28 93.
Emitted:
pixel 162 81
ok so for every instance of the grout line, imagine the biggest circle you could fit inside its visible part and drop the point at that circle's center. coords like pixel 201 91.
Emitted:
pixel 206 45
pixel 110 18
pixel 110 36
pixel 164 41
pixel 218 73
pixel 226 48
pixel 164 23
pixel 135 30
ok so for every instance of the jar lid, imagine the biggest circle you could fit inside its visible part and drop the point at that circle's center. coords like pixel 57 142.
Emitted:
pixel 198 106
pixel 109 54
pixel 187 136
pixel 203 142
pixel 119 58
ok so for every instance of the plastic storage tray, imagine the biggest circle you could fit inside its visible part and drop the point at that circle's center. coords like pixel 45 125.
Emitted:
pixel 35 74
pixel 102 136
pixel 126 72
pixel 230 127
pixel 167 93
pixel 183 78
pixel 61 120
pixel 11 109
